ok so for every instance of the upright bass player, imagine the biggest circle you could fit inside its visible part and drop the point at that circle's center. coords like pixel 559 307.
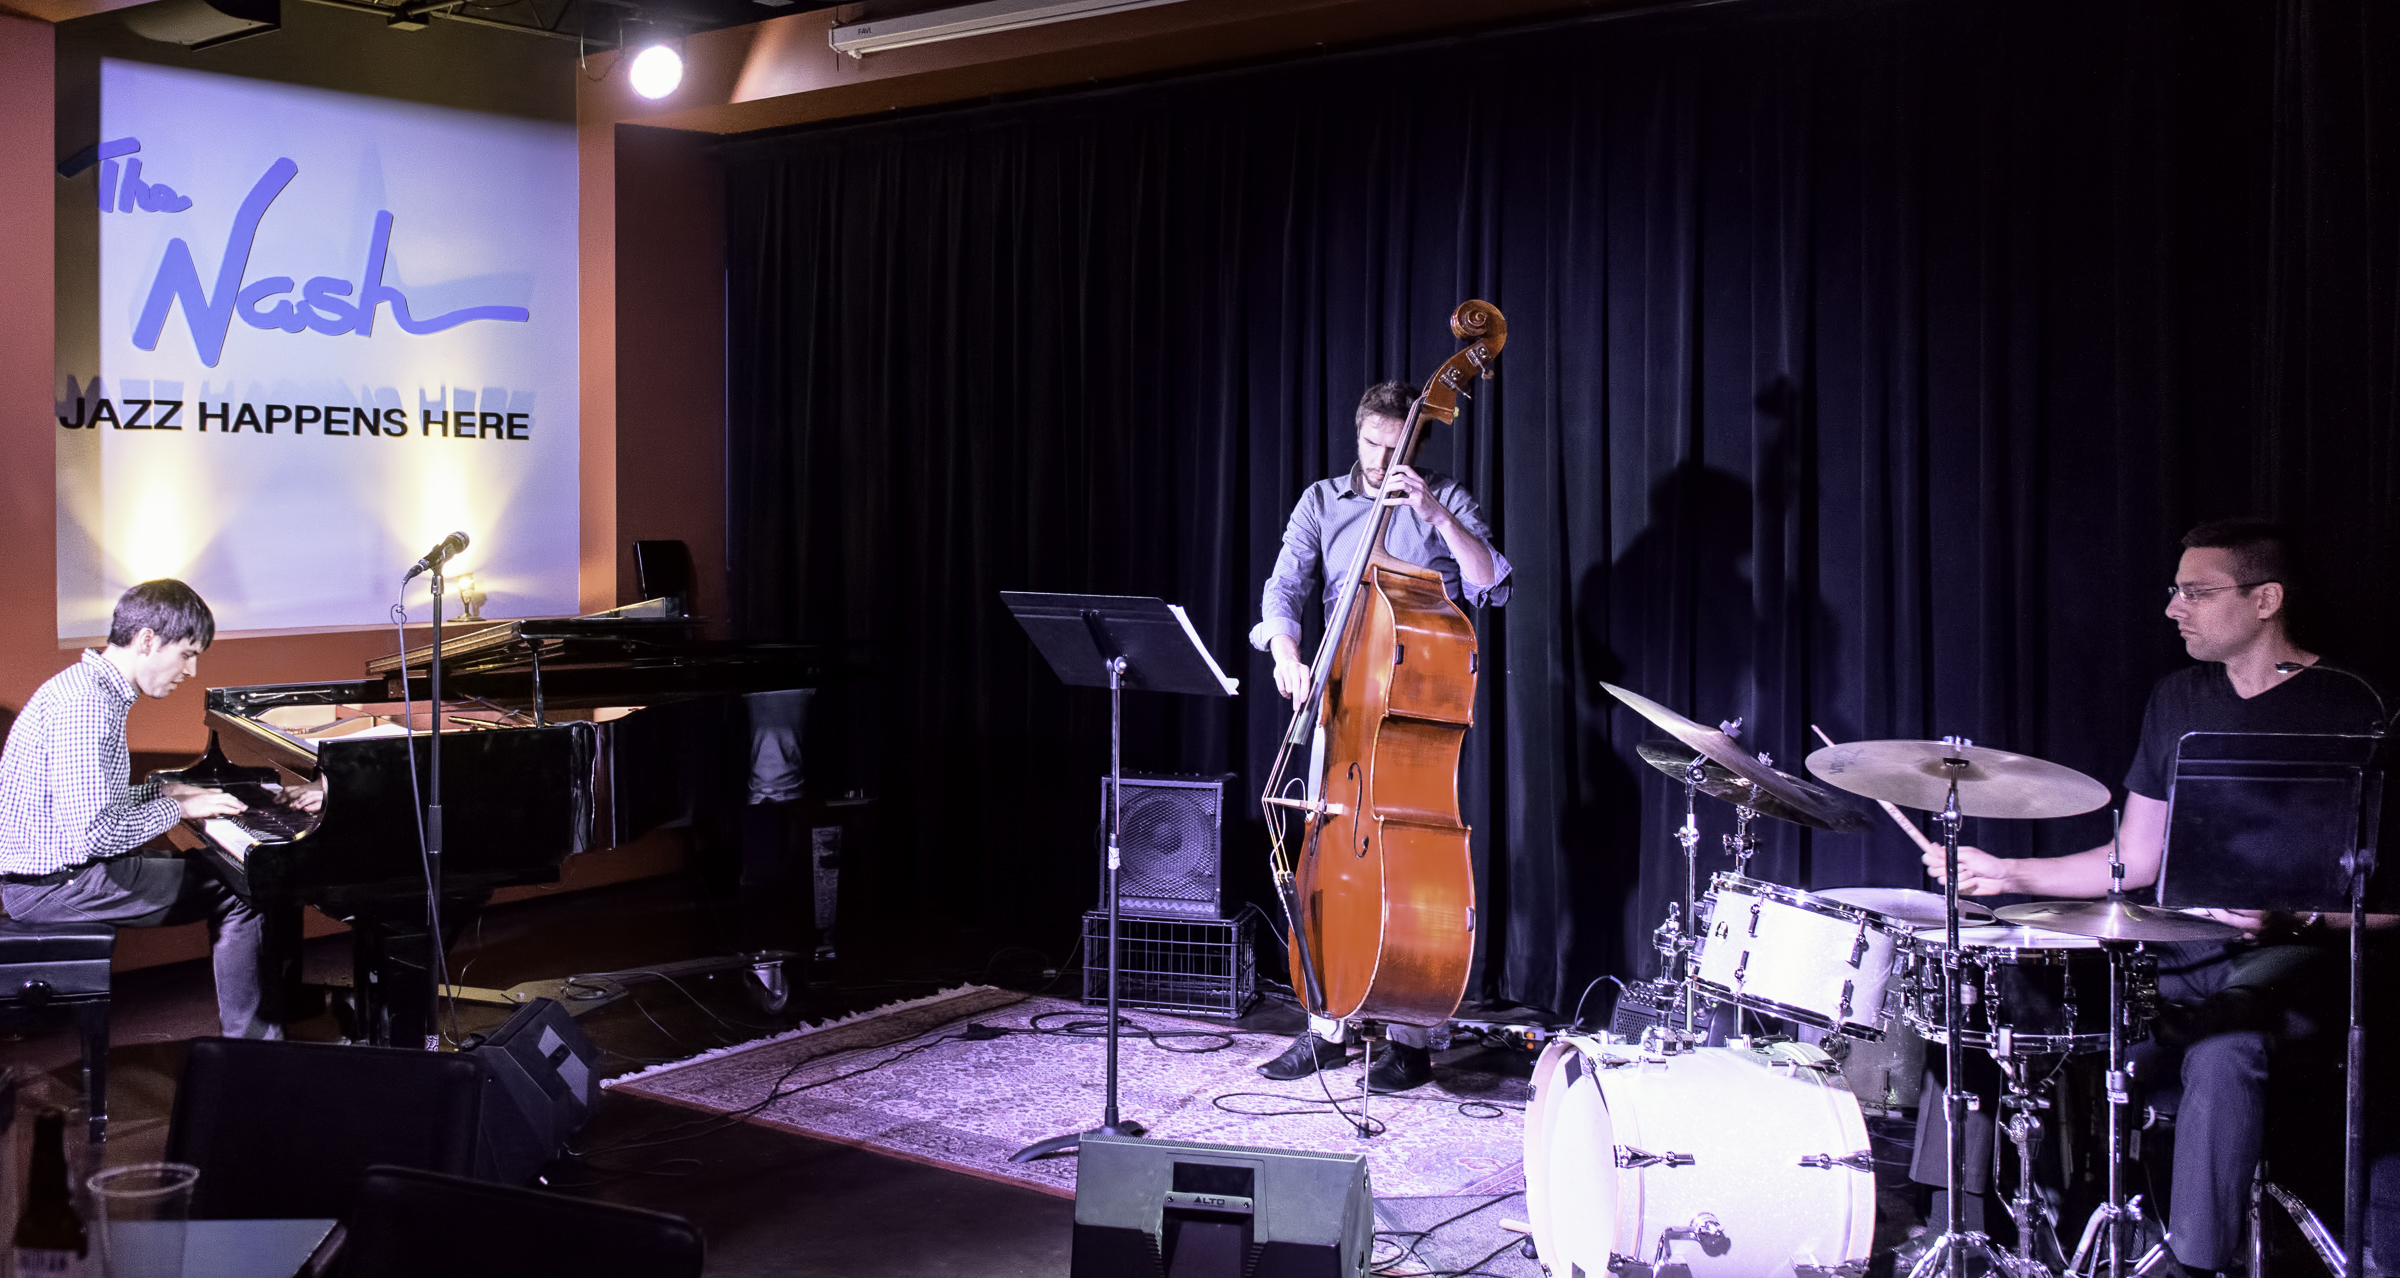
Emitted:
pixel 1436 525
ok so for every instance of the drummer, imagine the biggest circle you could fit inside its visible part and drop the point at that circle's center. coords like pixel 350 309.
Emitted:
pixel 2230 1006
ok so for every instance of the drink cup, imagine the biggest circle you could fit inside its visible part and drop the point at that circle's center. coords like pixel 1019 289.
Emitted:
pixel 139 1215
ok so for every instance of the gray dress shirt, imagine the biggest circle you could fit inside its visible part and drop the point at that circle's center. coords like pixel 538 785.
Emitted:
pixel 1323 535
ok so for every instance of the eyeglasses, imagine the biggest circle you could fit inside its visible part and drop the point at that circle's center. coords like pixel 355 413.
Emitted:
pixel 2194 594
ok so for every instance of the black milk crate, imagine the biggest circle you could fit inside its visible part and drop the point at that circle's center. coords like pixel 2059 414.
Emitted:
pixel 1191 967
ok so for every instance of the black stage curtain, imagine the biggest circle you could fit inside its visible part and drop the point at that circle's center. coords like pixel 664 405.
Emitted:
pixel 1866 361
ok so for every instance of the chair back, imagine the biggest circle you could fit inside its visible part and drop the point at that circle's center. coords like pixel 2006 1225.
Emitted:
pixel 287 1129
pixel 410 1223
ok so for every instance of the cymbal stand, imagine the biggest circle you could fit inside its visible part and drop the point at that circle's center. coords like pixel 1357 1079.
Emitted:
pixel 2115 1211
pixel 1948 1253
pixel 1742 844
pixel 1687 935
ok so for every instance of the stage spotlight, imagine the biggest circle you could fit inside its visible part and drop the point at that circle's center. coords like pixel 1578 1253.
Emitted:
pixel 656 71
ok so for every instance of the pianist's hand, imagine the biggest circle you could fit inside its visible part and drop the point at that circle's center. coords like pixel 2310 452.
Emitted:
pixel 307 798
pixel 209 803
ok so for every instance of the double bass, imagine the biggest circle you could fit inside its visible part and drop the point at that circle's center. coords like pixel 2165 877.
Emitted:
pixel 1379 902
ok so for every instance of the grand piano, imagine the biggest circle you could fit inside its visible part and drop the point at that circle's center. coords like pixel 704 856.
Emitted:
pixel 558 737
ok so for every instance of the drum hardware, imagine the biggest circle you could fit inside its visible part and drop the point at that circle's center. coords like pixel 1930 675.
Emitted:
pixel 1861 1160
pixel 1934 776
pixel 1704 1230
pixel 1628 1157
pixel 2022 1125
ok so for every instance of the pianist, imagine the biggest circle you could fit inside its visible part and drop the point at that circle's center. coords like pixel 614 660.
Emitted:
pixel 71 827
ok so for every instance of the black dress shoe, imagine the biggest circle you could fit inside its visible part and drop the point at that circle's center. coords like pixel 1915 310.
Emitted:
pixel 1307 1054
pixel 1399 1067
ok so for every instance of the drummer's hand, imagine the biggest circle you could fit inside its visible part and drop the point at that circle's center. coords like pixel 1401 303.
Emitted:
pixel 1979 872
pixel 1291 673
pixel 2252 922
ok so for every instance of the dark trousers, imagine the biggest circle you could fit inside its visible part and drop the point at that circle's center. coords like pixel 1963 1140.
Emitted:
pixel 2245 1007
pixel 158 891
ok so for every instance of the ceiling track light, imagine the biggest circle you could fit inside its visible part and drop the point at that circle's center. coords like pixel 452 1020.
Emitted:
pixel 862 38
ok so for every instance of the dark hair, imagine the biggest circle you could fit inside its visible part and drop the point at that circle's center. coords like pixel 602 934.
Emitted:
pixel 2261 550
pixel 167 608
pixel 1385 399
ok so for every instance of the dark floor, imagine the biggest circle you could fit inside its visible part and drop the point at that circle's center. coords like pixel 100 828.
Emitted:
pixel 768 1202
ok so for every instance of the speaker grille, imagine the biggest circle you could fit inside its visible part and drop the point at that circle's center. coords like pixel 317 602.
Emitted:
pixel 1172 847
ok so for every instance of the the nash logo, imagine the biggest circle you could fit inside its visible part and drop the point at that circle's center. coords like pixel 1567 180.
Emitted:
pixel 326 303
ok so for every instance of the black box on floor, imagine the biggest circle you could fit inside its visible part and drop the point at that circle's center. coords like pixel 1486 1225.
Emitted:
pixel 541 1078
pixel 1144 1208
pixel 1192 967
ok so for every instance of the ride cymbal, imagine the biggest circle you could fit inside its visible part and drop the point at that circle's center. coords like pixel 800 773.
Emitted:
pixel 2118 921
pixel 1991 783
pixel 1823 810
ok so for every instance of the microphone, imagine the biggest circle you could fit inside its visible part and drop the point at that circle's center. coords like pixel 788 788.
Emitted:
pixel 448 548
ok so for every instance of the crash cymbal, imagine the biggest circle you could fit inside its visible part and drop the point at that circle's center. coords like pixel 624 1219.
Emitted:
pixel 1917 909
pixel 1991 783
pixel 1720 749
pixel 2118 921
pixel 1823 810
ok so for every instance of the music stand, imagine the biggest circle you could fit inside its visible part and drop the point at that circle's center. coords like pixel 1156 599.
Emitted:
pixel 1116 642
pixel 2286 821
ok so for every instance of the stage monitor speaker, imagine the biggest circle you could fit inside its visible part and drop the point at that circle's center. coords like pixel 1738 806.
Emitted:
pixel 204 24
pixel 1172 846
pixel 541 1078
pixel 663 570
pixel 1177 1209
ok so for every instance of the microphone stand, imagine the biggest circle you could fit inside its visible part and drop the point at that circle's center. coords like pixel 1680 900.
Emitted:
pixel 433 829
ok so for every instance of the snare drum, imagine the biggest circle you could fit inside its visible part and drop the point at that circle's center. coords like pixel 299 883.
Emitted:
pixel 1798 955
pixel 2024 991
pixel 1718 1159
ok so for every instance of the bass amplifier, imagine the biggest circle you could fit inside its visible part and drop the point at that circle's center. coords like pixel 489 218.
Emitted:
pixel 1172 847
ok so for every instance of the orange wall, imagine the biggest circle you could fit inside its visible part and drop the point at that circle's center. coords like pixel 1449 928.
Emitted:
pixel 28 528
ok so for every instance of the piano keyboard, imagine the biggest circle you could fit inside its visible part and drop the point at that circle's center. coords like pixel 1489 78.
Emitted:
pixel 238 833
pixel 235 840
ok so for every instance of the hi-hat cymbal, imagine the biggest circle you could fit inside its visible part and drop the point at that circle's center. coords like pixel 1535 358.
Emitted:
pixel 1824 810
pixel 2118 921
pixel 1991 783
pixel 1721 750
pixel 1910 906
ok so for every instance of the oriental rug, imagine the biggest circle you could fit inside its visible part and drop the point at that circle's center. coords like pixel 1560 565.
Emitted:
pixel 913 1081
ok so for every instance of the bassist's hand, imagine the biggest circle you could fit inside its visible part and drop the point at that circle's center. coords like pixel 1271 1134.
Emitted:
pixel 1291 673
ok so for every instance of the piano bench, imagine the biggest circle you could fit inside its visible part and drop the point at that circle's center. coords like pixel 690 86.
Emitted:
pixel 45 965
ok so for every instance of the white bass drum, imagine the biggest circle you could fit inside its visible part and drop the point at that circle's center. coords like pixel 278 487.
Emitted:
pixel 1730 1162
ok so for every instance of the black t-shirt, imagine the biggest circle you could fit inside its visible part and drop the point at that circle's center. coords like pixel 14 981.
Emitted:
pixel 2201 699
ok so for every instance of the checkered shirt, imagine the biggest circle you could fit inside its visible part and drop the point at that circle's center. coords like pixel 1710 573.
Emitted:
pixel 64 799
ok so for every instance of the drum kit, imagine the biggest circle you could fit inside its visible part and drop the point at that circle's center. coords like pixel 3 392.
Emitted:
pixel 1663 1155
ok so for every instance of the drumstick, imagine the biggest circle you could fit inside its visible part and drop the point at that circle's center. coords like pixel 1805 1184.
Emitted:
pixel 1892 810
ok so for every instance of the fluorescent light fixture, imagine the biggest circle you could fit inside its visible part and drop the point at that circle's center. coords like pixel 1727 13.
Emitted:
pixel 864 38
pixel 656 71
